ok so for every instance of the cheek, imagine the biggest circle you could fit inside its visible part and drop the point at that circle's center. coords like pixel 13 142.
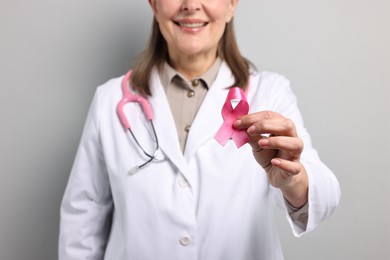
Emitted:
pixel 169 8
pixel 219 14
pixel 163 11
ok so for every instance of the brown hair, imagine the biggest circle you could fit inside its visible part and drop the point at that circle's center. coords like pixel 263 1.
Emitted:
pixel 156 53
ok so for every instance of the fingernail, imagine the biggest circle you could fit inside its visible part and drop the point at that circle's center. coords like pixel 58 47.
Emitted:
pixel 264 142
pixel 275 162
pixel 251 130
pixel 237 123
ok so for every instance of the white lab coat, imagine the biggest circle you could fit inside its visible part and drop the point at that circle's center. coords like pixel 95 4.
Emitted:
pixel 212 203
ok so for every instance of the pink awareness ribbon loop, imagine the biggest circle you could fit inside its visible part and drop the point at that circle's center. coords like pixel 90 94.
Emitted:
pixel 230 115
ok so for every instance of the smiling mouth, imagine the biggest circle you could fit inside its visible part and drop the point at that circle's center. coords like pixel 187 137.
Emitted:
pixel 191 25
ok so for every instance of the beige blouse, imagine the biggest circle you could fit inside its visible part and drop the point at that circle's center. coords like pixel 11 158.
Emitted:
pixel 185 96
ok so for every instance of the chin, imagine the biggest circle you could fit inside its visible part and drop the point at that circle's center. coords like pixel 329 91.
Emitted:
pixel 194 50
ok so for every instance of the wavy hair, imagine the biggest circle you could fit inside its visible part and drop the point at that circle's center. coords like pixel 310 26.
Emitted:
pixel 156 53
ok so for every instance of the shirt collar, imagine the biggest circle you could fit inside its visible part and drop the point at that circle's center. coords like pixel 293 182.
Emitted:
pixel 167 74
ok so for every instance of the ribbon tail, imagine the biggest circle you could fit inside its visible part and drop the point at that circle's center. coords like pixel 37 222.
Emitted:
pixel 224 133
pixel 240 138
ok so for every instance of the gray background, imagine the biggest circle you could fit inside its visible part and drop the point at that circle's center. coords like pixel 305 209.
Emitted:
pixel 336 53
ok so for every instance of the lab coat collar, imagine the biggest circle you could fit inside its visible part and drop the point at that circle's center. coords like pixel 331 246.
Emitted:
pixel 165 125
pixel 209 119
pixel 205 125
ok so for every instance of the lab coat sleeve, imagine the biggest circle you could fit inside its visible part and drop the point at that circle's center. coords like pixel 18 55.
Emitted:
pixel 87 203
pixel 324 189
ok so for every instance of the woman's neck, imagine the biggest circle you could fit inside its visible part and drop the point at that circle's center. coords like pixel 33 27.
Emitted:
pixel 192 66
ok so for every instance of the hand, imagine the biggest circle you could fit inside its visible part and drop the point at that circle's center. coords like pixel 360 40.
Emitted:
pixel 277 148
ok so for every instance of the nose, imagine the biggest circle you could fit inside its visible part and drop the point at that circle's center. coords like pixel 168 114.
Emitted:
pixel 191 6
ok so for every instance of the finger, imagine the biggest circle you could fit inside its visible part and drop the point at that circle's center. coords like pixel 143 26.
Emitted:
pixel 278 127
pixel 292 145
pixel 247 120
pixel 254 141
pixel 266 122
pixel 289 167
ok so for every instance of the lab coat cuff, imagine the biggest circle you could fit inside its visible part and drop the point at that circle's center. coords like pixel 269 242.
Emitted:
pixel 299 216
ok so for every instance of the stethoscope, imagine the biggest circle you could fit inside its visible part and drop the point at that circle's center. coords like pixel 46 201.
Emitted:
pixel 128 97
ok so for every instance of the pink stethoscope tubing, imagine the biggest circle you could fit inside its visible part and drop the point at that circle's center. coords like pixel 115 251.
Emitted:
pixel 127 97
pixel 130 97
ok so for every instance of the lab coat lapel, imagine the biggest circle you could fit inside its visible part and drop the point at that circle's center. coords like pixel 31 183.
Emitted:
pixel 209 119
pixel 165 125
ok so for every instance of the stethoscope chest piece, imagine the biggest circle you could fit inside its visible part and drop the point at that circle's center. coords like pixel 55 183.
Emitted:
pixel 158 155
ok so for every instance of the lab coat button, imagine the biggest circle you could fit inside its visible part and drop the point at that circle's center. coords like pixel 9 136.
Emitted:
pixel 185 241
pixel 187 128
pixel 190 93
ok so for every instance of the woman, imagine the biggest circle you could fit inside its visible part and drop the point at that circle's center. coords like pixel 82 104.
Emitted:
pixel 202 200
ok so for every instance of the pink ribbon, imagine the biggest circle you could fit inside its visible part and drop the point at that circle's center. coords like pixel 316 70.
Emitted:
pixel 230 115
